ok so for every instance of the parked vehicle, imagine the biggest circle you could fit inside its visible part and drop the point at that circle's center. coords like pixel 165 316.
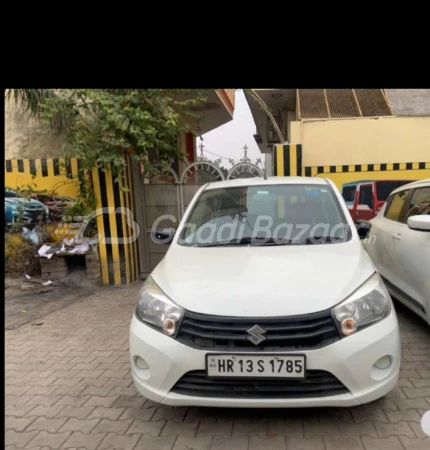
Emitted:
pixel 23 210
pixel 265 298
pixel 55 203
pixel 365 198
pixel 400 245
pixel 67 199
pixel 348 191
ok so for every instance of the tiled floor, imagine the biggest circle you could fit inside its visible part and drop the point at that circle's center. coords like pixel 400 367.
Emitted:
pixel 68 385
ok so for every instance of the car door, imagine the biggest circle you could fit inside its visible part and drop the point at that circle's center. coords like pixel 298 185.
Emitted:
pixel 365 203
pixel 413 251
pixel 386 229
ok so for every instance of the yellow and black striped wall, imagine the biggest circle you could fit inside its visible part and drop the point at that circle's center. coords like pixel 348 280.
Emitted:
pixel 287 160
pixel 341 174
pixel 119 261
pixel 47 174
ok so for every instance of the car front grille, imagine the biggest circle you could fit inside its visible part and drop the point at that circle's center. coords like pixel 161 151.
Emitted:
pixel 205 332
pixel 318 383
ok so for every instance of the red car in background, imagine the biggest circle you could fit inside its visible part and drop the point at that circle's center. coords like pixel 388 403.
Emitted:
pixel 365 198
pixel 55 203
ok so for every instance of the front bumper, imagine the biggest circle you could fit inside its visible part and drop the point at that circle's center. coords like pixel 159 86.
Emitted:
pixel 351 360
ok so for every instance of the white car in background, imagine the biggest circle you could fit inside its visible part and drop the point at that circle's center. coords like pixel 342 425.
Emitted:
pixel 399 245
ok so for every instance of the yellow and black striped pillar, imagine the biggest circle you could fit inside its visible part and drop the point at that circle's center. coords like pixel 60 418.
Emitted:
pixel 118 261
pixel 287 160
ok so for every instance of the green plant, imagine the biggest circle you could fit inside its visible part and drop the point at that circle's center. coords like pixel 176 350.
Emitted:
pixel 100 125
pixel 26 190
pixel 32 100
pixel 83 205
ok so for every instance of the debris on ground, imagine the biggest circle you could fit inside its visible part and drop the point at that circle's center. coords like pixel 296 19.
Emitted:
pixel 49 250
pixel 31 284
pixel 78 245
pixel 35 236
pixel 28 287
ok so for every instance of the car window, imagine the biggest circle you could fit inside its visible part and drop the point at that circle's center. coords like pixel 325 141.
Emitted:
pixel 395 205
pixel 419 204
pixel 384 188
pixel 366 196
pixel 348 193
pixel 268 211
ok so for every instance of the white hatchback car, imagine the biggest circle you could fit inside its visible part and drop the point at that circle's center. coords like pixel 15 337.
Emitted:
pixel 265 298
pixel 399 245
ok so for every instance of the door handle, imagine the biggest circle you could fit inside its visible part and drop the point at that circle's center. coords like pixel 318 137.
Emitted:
pixel 397 236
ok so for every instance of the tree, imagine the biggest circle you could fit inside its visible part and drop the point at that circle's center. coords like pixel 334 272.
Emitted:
pixel 99 124
pixel 32 100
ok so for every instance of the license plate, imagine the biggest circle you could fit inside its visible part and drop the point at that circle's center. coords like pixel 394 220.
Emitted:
pixel 256 366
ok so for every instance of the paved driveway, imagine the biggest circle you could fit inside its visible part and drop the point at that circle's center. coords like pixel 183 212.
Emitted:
pixel 68 385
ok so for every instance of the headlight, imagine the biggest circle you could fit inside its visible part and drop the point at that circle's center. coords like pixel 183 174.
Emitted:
pixel 369 304
pixel 156 309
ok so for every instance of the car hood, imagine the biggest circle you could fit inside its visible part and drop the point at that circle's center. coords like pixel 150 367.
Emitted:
pixel 262 281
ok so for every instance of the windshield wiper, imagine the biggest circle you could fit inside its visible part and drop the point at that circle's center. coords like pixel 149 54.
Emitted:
pixel 255 242
pixel 237 241
pixel 261 242
pixel 273 242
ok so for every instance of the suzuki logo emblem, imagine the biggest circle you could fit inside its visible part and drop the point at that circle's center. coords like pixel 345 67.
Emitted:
pixel 256 335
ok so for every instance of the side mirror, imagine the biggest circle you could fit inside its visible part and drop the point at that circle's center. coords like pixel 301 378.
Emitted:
pixel 419 223
pixel 163 236
pixel 363 228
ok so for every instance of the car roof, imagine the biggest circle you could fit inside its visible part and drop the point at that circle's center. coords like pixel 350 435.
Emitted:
pixel 381 180
pixel 259 181
pixel 414 184
pixel 354 183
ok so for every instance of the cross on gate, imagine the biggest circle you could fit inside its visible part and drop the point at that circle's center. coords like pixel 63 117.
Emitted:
pixel 245 148
pixel 201 146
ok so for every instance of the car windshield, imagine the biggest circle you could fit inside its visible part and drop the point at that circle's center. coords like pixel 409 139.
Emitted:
pixel 384 188
pixel 280 214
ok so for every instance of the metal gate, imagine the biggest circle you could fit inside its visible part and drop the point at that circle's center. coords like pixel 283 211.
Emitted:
pixel 167 194
pixel 244 170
